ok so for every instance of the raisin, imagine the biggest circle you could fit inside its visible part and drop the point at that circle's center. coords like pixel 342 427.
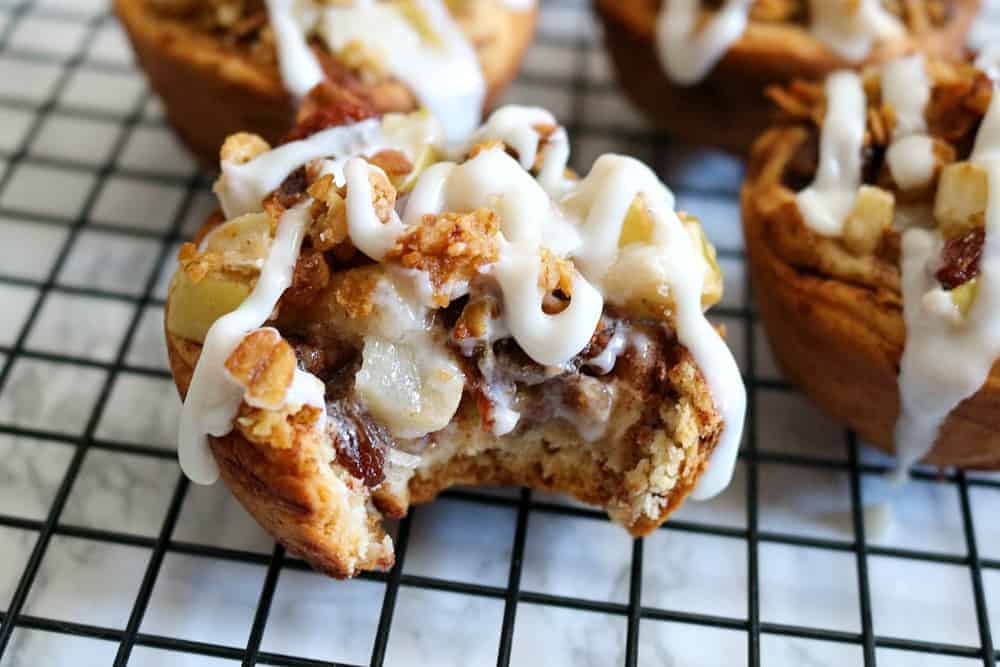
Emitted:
pixel 360 442
pixel 311 276
pixel 293 188
pixel 960 258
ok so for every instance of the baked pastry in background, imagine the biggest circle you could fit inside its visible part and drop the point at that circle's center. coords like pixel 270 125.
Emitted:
pixel 698 68
pixel 872 225
pixel 366 323
pixel 227 66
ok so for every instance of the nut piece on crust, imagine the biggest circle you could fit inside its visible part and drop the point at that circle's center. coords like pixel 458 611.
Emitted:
pixel 726 107
pixel 214 65
pixel 378 362
pixel 855 319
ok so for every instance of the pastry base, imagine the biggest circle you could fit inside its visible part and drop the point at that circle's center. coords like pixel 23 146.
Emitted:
pixel 210 91
pixel 841 344
pixel 728 109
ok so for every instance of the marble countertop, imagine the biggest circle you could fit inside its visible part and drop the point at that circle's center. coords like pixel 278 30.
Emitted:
pixel 106 552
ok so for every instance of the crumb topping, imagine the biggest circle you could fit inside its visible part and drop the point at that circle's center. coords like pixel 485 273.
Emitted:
pixel 450 247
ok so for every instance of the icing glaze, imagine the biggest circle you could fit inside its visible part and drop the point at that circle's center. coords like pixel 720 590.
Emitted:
pixel 242 187
pixel 517 126
pixel 852 27
pixel 688 51
pixel 826 203
pixel 947 358
pixel 441 69
pixel 213 398
pixel 906 88
pixel 689 47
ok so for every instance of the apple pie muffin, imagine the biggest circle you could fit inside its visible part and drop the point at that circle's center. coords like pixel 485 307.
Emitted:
pixel 225 66
pixel 698 68
pixel 872 222
pixel 371 318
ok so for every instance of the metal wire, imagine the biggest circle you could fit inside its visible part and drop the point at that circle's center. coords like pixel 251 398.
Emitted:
pixel 511 595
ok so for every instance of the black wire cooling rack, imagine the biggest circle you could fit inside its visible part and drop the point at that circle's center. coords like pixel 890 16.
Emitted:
pixel 61 80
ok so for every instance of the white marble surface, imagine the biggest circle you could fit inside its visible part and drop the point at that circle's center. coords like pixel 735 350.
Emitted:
pixel 696 574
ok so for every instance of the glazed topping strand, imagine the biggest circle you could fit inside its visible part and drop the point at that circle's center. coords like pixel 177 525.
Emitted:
pixel 417 41
pixel 826 203
pixel 689 45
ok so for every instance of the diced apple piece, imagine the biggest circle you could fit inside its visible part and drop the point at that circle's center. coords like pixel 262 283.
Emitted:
pixel 194 307
pixel 411 390
pixel 420 134
pixel 869 219
pixel 711 291
pixel 638 225
pixel 243 242
pixel 964 295
pixel 962 195
pixel 638 280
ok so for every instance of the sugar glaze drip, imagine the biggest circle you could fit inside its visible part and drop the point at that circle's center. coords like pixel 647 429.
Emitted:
pixel 443 73
pixel 689 48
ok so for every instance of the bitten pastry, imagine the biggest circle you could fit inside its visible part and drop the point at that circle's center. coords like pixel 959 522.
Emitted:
pixel 872 223
pixel 698 68
pixel 366 323
pixel 226 66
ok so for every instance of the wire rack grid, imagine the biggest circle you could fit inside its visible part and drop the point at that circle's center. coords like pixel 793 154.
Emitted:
pixel 95 197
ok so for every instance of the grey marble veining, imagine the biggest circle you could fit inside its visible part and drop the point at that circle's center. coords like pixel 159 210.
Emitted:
pixel 121 492
pixel 30 472
pixel 87 582
pixel 443 629
pixel 323 619
pixel 34 648
pixel 576 557
pixel 50 396
pixel 557 637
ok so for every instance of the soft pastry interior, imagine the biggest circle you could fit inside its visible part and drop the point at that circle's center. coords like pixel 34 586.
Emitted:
pixel 888 181
pixel 382 315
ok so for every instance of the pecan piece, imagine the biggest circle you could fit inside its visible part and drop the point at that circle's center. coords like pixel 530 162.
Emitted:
pixel 263 364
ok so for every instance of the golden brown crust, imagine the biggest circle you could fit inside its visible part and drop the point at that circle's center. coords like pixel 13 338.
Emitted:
pixel 286 492
pixel 210 91
pixel 727 109
pixel 841 341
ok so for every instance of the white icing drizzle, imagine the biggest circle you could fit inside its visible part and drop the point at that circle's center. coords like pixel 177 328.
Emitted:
pixel 444 74
pixel 906 87
pixel 852 27
pixel 583 225
pixel 689 50
pixel 516 126
pixel 945 361
pixel 213 398
pixel 290 20
pixel 242 187
pixel 826 203
pixel 368 233
pixel 688 53
pixel 604 362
